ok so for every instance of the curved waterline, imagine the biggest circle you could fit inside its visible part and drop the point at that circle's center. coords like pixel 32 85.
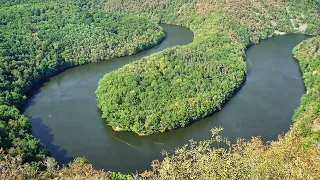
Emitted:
pixel 68 99
pixel 65 117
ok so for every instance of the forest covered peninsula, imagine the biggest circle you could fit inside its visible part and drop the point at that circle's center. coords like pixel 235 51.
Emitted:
pixel 161 92
pixel 180 85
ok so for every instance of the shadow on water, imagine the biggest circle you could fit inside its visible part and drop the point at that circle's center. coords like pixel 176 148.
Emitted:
pixel 263 107
pixel 31 101
pixel 64 114
pixel 43 132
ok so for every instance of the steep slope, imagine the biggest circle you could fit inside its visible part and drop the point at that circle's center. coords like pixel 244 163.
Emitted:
pixel 307 116
pixel 40 40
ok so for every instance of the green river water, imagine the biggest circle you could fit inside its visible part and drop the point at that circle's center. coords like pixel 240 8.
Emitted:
pixel 65 117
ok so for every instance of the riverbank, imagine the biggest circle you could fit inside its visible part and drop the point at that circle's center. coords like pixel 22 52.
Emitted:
pixel 43 39
pixel 306 118
pixel 190 82
pixel 230 24
pixel 70 101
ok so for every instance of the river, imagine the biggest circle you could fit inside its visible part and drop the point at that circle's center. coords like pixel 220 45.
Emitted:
pixel 65 117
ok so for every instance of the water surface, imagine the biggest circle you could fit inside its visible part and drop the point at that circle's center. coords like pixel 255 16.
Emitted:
pixel 65 117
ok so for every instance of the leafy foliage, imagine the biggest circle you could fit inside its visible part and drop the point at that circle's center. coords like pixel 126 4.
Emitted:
pixel 183 84
pixel 164 91
pixel 307 116
pixel 306 14
pixel 89 4
pixel 40 40
pixel 11 167
pixel 281 159
pixel 15 135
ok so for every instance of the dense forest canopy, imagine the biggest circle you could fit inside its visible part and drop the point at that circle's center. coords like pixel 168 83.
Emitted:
pixel 285 158
pixel 174 88
pixel 40 40
pixel 307 116
pixel 88 4
pixel 281 159
pixel 164 91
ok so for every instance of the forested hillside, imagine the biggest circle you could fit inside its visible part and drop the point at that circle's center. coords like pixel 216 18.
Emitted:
pixel 40 40
pixel 164 91
pixel 173 88
pixel 286 158
pixel 89 4
pixel 307 116
pixel 281 159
